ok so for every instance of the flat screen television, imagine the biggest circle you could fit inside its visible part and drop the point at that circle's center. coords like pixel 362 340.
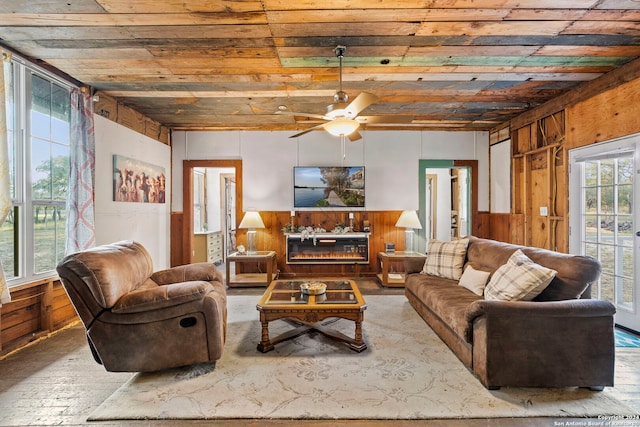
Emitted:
pixel 328 187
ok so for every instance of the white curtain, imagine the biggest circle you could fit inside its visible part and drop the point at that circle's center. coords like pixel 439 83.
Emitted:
pixel 5 196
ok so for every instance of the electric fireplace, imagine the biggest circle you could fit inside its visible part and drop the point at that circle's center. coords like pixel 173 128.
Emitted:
pixel 327 248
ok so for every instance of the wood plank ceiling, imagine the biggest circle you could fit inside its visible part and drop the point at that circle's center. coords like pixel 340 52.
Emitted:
pixel 230 64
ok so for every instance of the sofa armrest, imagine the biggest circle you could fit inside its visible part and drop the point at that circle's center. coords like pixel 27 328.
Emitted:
pixel 542 344
pixel 413 266
pixel 161 297
pixel 565 308
pixel 185 273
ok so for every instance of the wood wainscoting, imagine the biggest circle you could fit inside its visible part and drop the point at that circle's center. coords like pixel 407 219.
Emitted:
pixel 36 309
pixel 382 227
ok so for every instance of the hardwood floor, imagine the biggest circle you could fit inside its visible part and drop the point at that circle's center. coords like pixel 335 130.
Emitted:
pixel 56 382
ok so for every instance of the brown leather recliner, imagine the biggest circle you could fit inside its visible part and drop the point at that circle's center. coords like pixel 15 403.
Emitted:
pixel 140 321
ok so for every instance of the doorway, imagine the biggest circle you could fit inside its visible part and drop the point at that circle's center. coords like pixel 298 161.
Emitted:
pixel 233 167
pixel 448 199
pixel 228 210
pixel 604 201
pixel 431 200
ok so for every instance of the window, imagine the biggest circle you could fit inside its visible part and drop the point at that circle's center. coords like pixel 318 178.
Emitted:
pixel 608 224
pixel 32 239
pixel 604 201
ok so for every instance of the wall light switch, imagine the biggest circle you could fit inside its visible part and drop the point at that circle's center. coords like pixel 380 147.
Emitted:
pixel 544 211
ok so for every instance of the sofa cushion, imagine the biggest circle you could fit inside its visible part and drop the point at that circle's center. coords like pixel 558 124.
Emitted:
pixel 520 279
pixel 474 280
pixel 446 259
pixel 445 299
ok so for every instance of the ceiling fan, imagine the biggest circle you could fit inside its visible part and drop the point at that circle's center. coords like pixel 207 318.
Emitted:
pixel 342 118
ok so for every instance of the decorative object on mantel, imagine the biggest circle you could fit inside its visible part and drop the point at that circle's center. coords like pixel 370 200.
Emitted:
pixel 341 229
pixel 409 220
pixel 310 232
pixel 306 231
pixel 251 220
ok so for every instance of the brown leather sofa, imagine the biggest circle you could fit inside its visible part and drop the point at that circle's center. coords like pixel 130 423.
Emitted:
pixel 560 339
pixel 139 321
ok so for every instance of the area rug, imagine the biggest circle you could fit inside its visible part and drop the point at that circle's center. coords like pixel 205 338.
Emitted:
pixel 407 372
pixel 626 339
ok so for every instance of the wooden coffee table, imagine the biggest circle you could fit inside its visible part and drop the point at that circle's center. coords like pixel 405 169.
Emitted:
pixel 284 300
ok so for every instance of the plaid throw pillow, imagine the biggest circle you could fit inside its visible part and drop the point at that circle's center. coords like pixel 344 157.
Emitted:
pixel 520 279
pixel 446 259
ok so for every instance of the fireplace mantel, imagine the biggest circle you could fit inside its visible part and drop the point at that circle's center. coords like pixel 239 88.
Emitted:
pixel 328 248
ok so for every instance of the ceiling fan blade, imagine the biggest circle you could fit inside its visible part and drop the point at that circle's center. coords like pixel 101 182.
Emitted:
pixel 384 119
pixel 307 131
pixel 313 116
pixel 354 136
pixel 361 102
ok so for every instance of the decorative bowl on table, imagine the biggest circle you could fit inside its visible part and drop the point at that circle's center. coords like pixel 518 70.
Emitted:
pixel 313 288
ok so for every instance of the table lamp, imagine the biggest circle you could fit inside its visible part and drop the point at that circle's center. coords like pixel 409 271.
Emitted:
pixel 410 221
pixel 251 220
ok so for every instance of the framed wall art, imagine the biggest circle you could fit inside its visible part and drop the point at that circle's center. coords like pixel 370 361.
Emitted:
pixel 137 181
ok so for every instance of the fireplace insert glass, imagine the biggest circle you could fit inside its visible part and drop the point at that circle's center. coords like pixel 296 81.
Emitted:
pixel 351 248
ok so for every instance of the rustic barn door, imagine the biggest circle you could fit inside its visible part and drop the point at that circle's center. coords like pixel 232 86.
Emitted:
pixel 604 205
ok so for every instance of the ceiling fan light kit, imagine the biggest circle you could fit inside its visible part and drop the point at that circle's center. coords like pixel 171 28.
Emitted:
pixel 341 126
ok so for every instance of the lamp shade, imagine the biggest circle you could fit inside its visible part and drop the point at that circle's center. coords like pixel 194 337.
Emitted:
pixel 251 219
pixel 340 127
pixel 409 219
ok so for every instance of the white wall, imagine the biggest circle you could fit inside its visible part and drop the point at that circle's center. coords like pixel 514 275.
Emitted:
pixel 147 223
pixel 390 159
pixel 501 177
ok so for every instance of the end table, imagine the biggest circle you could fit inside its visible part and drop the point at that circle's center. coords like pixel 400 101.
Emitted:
pixel 251 279
pixel 393 279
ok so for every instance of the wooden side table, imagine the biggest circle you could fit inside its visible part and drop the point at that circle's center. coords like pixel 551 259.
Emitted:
pixel 393 279
pixel 251 279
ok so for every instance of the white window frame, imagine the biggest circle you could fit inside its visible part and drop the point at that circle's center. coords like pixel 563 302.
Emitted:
pixel 626 315
pixel 21 69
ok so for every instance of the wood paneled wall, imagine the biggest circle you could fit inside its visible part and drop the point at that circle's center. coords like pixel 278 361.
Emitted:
pixel 36 309
pixel 383 229
pixel 109 107
pixel 597 111
pixel 539 181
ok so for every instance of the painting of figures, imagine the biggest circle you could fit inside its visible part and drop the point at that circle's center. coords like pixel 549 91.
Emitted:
pixel 137 181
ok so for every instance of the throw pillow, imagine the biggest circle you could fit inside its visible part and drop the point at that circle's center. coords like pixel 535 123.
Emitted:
pixel 474 280
pixel 446 259
pixel 520 279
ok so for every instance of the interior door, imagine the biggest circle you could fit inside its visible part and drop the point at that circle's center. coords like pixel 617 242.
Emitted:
pixel 604 203
pixel 431 201
pixel 230 213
